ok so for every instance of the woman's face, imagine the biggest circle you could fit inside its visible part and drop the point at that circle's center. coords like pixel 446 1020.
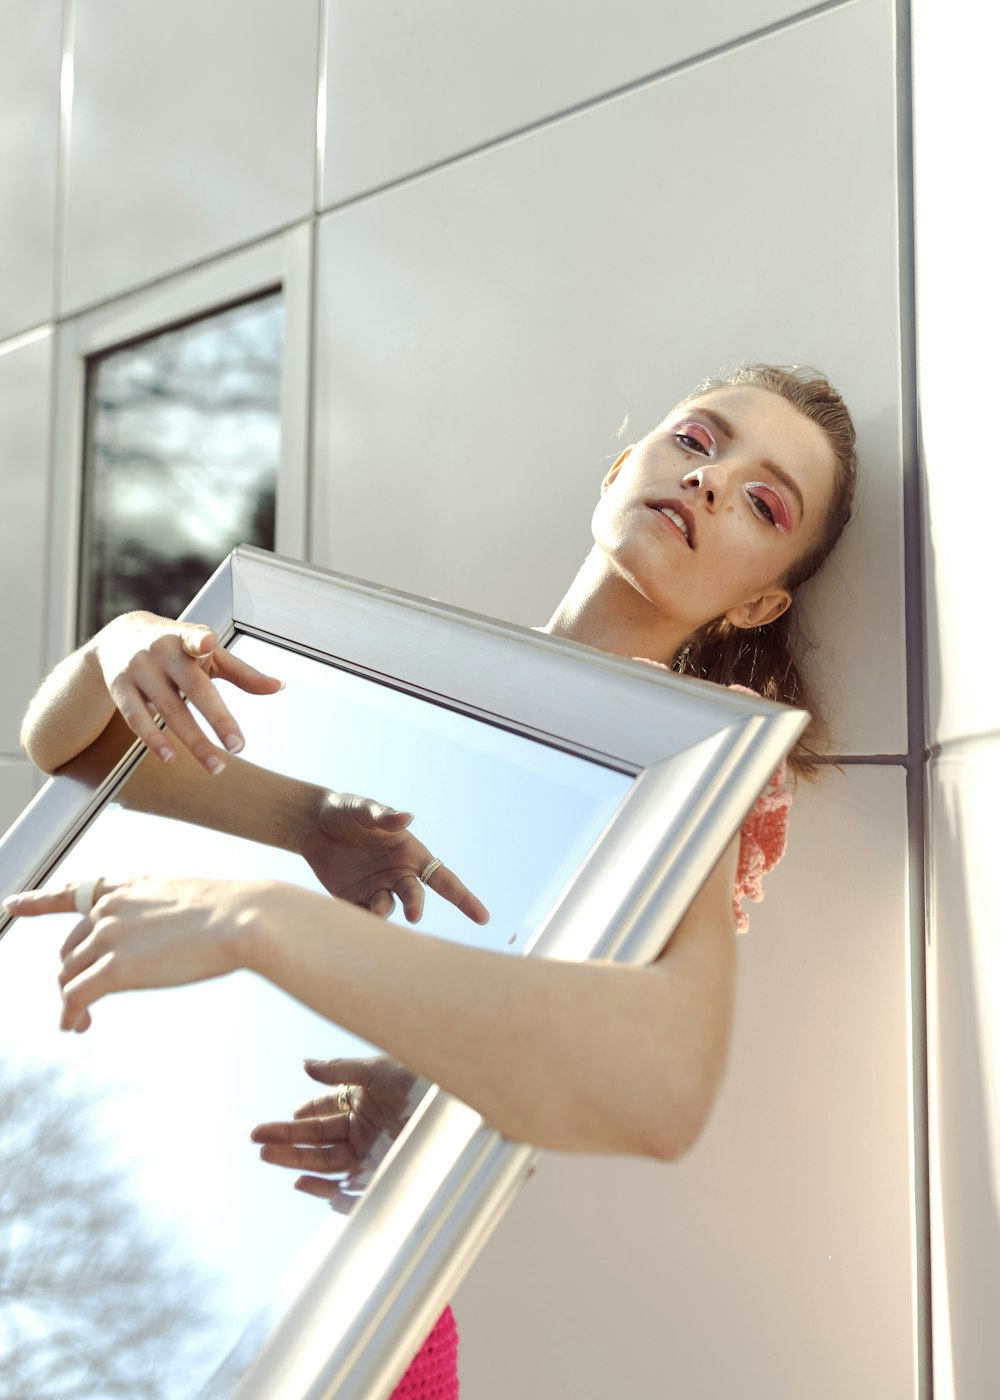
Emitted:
pixel 706 515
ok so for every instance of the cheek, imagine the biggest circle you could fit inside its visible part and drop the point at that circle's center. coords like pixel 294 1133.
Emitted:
pixel 606 522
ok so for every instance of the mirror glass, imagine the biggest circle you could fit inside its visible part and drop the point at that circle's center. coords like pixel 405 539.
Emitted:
pixel 183 439
pixel 128 1175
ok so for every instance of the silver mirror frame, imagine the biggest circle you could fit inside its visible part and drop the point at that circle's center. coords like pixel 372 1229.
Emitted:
pixel 698 754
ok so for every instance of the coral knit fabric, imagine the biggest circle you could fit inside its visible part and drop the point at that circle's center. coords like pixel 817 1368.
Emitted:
pixel 763 837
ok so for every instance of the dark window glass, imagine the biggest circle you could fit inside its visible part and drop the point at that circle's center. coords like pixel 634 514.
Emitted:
pixel 181 461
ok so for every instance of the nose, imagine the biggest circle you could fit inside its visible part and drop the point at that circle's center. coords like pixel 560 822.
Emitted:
pixel 699 480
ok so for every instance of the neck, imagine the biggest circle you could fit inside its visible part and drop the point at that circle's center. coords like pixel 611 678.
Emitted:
pixel 601 609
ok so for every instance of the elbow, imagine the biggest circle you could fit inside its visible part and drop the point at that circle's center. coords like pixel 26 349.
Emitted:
pixel 678 1129
pixel 677 1136
pixel 35 751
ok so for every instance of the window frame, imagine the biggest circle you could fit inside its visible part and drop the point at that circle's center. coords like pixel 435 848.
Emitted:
pixel 282 263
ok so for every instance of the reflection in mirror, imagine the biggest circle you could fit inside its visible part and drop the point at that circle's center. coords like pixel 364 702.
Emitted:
pixel 166 1089
pixel 181 456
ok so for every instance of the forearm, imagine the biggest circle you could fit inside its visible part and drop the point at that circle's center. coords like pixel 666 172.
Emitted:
pixel 243 800
pixel 569 1056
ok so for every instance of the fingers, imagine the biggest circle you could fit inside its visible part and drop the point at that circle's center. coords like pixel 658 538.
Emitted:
pixel 325 1106
pixel 411 897
pixel 149 690
pixel 333 1192
pixel 138 715
pixel 75 1015
pixel 446 883
pixel 375 815
pixel 175 666
pixel 34 902
pixel 341 1071
pixel 197 640
pixel 321 1128
pixel 79 995
pixel 317 1186
pixel 240 673
pixel 166 692
pixel 382 904
pixel 29 903
pixel 337 1157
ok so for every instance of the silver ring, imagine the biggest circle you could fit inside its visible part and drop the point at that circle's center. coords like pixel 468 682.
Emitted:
pixel 83 896
pixel 429 869
pixel 345 1102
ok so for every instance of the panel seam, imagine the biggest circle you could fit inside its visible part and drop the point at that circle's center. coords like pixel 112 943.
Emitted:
pixel 588 104
pixel 916 670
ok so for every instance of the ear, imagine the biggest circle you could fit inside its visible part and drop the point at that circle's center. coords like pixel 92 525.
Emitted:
pixel 615 468
pixel 759 611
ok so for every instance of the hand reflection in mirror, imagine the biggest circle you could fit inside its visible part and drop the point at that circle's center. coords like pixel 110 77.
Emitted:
pixel 339 1138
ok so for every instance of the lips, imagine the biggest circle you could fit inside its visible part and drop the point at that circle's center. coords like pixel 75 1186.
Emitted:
pixel 678 517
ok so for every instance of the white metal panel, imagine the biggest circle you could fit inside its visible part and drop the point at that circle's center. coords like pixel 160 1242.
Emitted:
pixel 956 117
pixel 408 86
pixel 29 148
pixel 483 331
pixel 193 131
pixel 25 385
pixel 964 1058
pixel 19 782
pixel 776 1261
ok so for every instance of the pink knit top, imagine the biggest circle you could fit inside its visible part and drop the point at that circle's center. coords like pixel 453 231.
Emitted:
pixel 434 1372
pixel 763 837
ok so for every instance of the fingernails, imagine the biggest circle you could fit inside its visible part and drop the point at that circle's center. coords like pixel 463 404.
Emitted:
pixel 233 742
pixel 12 901
pixel 165 752
pixel 214 764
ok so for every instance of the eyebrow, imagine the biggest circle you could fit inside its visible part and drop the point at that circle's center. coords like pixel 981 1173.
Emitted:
pixel 786 480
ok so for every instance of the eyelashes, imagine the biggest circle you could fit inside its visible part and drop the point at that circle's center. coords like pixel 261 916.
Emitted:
pixel 769 505
pixel 762 508
pixel 694 437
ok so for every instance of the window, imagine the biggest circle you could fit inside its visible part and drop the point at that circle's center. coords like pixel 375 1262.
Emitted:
pixel 182 447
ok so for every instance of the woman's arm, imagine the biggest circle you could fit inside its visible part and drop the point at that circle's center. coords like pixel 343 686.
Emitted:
pixel 96 702
pixel 571 1056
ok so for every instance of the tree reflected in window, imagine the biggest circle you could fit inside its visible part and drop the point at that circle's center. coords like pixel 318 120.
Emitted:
pixel 182 449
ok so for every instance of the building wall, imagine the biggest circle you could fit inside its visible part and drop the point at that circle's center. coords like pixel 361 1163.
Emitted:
pixel 955 113
pixel 502 232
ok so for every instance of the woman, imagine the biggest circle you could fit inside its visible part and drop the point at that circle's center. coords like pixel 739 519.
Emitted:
pixel 702 533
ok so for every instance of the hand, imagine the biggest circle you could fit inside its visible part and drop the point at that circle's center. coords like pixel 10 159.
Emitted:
pixel 143 933
pixel 362 852
pixel 346 1146
pixel 151 663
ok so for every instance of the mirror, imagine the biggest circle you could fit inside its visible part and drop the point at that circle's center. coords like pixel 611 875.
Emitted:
pixel 576 793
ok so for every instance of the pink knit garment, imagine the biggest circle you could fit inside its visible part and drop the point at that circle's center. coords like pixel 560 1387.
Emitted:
pixel 433 1374
pixel 763 838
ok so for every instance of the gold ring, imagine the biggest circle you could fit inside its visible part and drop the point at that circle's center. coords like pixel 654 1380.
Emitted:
pixel 429 869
